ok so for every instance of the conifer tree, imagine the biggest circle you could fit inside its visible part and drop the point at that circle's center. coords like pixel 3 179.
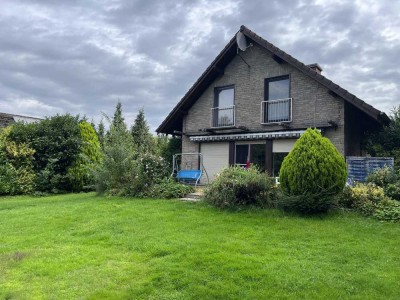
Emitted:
pixel 118 121
pixel 312 174
pixel 142 137
pixel 101 133
pixel 314 164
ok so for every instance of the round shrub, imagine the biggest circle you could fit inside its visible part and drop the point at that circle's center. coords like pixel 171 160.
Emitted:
pixel 312 174
pixel 236 187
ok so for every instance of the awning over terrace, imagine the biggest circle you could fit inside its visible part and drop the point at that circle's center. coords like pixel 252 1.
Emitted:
pixel 248 136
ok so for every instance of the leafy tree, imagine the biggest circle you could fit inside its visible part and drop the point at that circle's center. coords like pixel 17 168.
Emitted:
pixel 312 173
pixel 142 137
pixel 56 142
pixel 386 141
pixel 168 146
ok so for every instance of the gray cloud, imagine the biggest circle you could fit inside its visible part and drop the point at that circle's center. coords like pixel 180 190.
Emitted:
pixel 82 56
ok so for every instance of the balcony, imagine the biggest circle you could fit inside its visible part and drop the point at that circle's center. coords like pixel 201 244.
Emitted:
pixel 223 116
pixel 276 111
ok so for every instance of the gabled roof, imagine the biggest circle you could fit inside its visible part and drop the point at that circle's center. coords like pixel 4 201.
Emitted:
pixel 174 120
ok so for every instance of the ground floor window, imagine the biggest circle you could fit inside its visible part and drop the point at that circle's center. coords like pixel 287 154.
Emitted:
pixel 250 153
pixel 277 159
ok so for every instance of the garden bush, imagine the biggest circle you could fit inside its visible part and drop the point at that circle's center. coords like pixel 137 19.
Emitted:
pixel 167 147
pixel 117 172
pixel 168 188
pixel 365 197
pixel 345 198
pixel 236 187
pixel 387 210
pixel 150 169
pixel 307 203
pixel 153 168
pixel 56 143
pixel 382 177
pixel 15 181
pixel 312 174
pixel 392 190
pixel 370 200
pixel 388 179
pixel 16 170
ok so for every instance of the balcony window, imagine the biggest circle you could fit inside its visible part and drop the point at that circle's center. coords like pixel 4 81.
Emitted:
pixel 223 112
pixel 277 104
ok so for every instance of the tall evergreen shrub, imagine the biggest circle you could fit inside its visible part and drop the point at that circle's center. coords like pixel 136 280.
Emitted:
pixel 117 172
pixel 312 173
pixel 81 171
pixel 142 138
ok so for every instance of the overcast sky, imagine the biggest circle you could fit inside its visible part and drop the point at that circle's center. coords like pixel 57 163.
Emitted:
pixel 80 57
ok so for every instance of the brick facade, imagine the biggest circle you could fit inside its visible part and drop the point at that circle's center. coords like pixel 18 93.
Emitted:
pixel 313 106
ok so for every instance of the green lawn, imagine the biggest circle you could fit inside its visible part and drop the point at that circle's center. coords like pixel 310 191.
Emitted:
pixel 88 247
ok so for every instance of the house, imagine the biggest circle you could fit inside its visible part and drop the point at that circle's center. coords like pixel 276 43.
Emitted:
pixel 8 119
pixel 252 105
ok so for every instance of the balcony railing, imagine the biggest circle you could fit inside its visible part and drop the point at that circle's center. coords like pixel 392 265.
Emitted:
pixel 276 111
pixel 223 116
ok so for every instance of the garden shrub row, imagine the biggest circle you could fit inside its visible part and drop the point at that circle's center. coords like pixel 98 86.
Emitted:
pixel 49 156
pixel 63 154
pixel 378 197
pixel 134 163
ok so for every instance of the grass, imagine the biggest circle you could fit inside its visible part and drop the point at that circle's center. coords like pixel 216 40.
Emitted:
pixel 89 247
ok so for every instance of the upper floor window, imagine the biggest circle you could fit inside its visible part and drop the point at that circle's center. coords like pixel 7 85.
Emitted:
pixel 277 88
pixel 223 112
pixel 277 104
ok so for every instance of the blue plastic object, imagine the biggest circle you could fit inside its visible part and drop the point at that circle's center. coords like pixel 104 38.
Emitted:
pixel 189 175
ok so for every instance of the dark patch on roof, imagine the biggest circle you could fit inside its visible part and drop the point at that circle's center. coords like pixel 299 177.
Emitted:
pixel 174 120
pixel 8 119
pixel 5 120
